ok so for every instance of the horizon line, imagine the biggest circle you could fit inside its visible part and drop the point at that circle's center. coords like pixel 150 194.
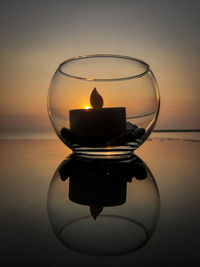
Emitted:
pixel 176 130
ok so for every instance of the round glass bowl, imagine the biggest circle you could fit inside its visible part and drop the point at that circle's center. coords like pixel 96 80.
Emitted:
pixel 103 207
pixel 103 105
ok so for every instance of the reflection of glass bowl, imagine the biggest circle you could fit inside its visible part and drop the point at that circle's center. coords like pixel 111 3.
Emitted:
pixel 120 114
pixel 103 208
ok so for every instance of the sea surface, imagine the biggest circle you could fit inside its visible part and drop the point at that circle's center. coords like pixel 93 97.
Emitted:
pixel 27 239
pixel 51 135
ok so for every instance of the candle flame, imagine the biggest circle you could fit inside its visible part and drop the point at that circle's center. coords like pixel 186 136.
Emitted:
pixel 96 99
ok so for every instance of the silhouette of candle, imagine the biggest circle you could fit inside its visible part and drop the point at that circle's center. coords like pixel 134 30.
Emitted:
pixel 97 121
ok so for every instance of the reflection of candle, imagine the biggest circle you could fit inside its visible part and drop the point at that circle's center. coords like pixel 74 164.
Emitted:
pixel 98 121
pixel 97 185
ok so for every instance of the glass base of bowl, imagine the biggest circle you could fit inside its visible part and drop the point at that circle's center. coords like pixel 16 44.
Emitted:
pixel 113 152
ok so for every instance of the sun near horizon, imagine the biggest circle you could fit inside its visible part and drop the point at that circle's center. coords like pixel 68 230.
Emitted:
pixel 87 107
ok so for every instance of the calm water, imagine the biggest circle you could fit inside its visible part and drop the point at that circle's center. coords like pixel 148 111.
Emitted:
pixel 27 167
pixel 52 135
pixel 142 121
pixel 184 136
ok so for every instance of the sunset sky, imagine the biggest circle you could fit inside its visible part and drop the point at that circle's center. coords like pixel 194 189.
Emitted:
pixel 36 36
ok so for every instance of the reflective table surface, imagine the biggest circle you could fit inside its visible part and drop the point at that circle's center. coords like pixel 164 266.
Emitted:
pixel 27 238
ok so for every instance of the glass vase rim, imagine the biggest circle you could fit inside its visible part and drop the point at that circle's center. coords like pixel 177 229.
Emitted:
pixel 142 62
